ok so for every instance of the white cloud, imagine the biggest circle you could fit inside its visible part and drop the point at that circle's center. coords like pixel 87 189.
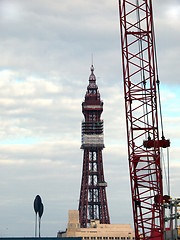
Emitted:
pixel 9 10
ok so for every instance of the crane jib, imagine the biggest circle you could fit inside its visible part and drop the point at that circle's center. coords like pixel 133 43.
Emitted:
pixel 140 90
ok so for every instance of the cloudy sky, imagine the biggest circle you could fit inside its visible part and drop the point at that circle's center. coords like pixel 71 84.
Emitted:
pixel 45 58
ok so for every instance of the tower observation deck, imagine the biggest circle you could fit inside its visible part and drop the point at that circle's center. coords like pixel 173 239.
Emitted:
pixel 93 201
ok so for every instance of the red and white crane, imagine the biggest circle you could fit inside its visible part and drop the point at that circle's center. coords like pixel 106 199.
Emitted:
pixel 141 85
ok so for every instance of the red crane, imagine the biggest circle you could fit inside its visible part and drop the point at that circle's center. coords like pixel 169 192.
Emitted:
pixel 141 85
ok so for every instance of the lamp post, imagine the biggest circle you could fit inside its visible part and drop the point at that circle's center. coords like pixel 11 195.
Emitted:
pixel 38 208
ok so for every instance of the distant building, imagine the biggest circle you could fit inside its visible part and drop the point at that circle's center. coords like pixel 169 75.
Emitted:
pixel 96 231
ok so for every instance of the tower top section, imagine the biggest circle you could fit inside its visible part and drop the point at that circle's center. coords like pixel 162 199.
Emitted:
pixel 92 107
pixel 92 79
pixel 92 87
pixel 92 96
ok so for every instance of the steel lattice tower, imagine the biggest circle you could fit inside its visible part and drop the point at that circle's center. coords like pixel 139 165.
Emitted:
pixel 93 201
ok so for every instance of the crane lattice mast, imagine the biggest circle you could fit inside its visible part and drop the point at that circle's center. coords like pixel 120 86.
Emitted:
pixel 140 89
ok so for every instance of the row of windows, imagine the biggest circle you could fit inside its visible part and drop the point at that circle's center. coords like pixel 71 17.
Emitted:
pixel 109 238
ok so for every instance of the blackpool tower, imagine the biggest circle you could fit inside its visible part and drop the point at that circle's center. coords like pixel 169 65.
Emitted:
pixel 93 201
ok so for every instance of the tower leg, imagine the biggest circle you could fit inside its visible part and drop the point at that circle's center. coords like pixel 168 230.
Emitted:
pixel 93 201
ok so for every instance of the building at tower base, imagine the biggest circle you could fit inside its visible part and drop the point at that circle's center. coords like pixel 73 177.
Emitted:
pixel 96 231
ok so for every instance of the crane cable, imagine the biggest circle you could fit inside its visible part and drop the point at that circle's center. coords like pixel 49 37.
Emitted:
pixel 157 76
pixel 169 190
pixel 143 79
pixel 167 176
pixel 159 98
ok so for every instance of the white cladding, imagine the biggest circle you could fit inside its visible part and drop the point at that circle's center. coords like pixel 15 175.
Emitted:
pixel 92 139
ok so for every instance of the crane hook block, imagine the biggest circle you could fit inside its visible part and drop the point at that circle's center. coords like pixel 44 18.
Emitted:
pixel 164 143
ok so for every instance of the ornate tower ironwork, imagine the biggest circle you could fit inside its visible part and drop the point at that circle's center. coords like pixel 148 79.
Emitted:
pixel 93 202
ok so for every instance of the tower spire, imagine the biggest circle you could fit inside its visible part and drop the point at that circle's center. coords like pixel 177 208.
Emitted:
pixel 92 69
pixel 92 77
pixel 93 201
pixel 92 58
pixel 92 87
